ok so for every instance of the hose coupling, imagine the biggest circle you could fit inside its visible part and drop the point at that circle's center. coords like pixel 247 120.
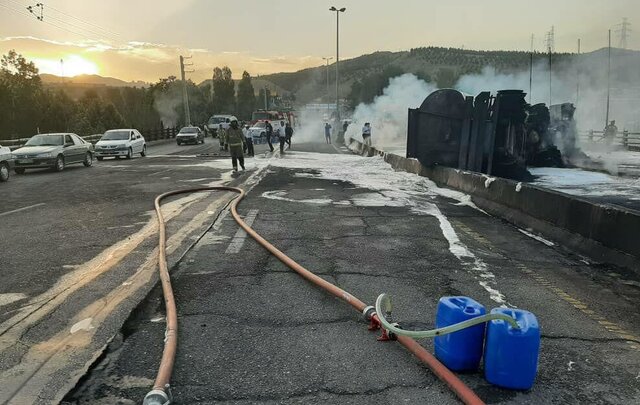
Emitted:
pixel 158 397
pixel 368 312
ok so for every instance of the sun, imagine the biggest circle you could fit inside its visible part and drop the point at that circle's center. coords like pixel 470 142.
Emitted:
pixel 67 66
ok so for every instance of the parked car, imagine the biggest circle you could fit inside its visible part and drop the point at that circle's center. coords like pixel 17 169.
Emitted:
pixel 258 132
pixel 217 121
pixel 190 135
pixel 6 163
pixel 121 142
pixel 54 151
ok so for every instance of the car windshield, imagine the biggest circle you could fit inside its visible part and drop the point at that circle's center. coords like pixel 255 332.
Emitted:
pixel 115 136
pixel 216 120
pixel 190 130
pixel 46 140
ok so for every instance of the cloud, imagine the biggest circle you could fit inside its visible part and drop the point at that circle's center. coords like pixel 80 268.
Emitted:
pixel 148 61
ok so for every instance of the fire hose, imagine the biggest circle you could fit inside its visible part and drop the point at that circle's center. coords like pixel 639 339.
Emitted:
pixel 161 392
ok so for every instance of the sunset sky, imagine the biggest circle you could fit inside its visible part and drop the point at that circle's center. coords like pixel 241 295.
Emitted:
pixel 141 40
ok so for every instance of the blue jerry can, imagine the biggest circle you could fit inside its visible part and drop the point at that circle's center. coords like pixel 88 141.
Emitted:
pixel 511 355
pixel 462 350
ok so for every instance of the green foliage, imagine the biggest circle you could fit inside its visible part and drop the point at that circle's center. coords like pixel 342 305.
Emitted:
pixel 371 86
pixel 20 94
pixel 246 97
pixel 224 89
pixel 446 78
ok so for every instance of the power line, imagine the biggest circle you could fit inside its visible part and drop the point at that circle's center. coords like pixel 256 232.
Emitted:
pixel 37 11
pixel 84 21
pixel 24 14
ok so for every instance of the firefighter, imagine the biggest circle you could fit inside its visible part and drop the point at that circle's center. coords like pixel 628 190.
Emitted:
pixel 222 138
pixel 610 132
pixel 235 140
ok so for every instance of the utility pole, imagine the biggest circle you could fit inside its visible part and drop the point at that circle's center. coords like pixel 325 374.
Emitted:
pixel 338 11
pixel 327 59
pixel 578 74
pixel 608 83
pixel 531 69
pixel 185 95
pixel 550 48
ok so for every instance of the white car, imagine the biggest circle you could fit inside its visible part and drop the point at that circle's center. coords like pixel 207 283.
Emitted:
pixel 258 132
pixel 216 121
pixel 121 142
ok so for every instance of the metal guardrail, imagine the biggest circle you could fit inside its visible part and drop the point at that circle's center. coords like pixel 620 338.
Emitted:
pixel 149 135
pixel 627 139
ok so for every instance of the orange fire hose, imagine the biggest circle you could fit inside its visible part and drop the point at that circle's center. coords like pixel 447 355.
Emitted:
pixel 160 395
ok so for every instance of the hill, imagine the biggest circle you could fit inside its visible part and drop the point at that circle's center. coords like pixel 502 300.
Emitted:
pixel 90 80
pixel 444 66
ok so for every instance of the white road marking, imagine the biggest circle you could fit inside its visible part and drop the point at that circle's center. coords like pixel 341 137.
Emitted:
pixel 84 324
pixel 21 209
pixel 8 298
pixel 238 240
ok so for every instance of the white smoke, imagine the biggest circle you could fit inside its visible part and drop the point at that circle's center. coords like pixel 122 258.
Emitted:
pixel 388 114
pixel 167 104
pixel 310 123
pixel 582 81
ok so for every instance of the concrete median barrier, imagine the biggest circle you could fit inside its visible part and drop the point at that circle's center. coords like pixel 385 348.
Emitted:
pixel 600 232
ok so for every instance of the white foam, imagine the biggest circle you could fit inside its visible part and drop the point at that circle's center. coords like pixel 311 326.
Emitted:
pixel 391 188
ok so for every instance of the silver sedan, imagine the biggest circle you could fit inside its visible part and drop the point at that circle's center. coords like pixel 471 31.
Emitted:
pixel 54 151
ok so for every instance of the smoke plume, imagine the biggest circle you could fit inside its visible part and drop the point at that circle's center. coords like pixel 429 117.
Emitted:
pixel 388 113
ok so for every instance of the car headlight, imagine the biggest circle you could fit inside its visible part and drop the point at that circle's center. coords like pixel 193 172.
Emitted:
pixel 44 155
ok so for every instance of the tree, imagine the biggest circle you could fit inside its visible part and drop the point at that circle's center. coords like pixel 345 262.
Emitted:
pixel 446 78
pixel 21 94
pixel 246 97
pixel 224 91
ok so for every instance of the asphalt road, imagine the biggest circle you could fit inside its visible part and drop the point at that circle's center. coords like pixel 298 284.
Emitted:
pixel 251 331
pixel 77 255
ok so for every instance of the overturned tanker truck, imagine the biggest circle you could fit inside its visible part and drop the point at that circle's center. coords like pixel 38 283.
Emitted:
pixel 497 135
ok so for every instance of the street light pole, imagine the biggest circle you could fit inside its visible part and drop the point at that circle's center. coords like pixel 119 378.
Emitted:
pixel 338 11
pixel 327 59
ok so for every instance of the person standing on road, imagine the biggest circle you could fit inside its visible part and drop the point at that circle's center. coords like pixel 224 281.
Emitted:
pixel 288 132
pixel 327 132
pixel 366 133
pixel 248 140
pixel 282 137
pixel 235 138
pixel 269 131
pixel 610 133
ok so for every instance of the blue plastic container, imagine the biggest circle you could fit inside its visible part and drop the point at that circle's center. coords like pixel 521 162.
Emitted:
pixel 462 350
pixel 511 355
